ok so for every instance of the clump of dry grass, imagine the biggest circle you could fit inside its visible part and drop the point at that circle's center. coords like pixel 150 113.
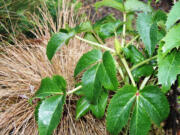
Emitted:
pixel 24 64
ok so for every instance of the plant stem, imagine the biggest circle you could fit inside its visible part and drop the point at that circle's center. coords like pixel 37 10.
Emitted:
pixel 128 71
pixel 143 62
pixel 130 42
pixel 74 90
pixel 124 30
pixel 96 44
pixel 119 70
pixel 144 82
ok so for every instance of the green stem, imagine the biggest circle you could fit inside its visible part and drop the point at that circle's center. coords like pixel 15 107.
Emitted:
pixel 130 42
pixel 128 71
pixel 143 84
pixel 96 44
pixel 74 90
pixel 124 30
pixel 119 70
pixel 143 62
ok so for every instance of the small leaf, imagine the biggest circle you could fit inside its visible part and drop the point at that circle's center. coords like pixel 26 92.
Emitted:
pixel 140 123
pixel 136 5
pixel 172 39
pixel 160 16
pixel 144 70
pixel 107 30
pixel 84 27
pixel 89 36
pixel 87 60
pixel 148 31
pixel 110 68
pixel 169 68
pixel 119 109
pixel 110 3
pixel 99 109
pixel 91 83
pixel 56 42
pixel 50 113
pixel 173 16
pixel 155 103
pixel 49 86
pixel 82 107
pixel 133 54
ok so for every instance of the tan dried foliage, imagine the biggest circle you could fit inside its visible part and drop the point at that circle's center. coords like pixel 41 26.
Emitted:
pixel 23 65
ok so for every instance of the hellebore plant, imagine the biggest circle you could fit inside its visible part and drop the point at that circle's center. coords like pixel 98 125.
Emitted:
pixel 136 77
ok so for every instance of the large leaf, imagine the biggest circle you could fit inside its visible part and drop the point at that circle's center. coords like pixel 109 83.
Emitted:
pixel 136 5
pixel 91 83
pixel 151 105
pixel 87 59
pixel 174 15
pixel 172 39
pixel 50 113
pixel 119 109
pixel 140 122
pixel 56 42
pixel 49 86
pixel 144 70
pixel 82 107
pixel 133 54
pixel 99 109
pixel 169 68
pixel 155 103
pixel 110 70
pixel 110 3
pixel 148 31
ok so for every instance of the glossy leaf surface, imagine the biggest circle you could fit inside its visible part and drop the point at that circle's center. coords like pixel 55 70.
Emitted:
pixel 110 3
pixel 56 42
pixel 147 31
pixel 155 103
pixel 140 122
pixel 169 68
pixel 172 39
pixel 173 16
pixel 98 110
pixel 86 60
pixel 91 83
pixel 136 5
pixel 49 86
pixel 110 69
pixel 50 113
pixel 133 54
pixel 82 107
pixel 119 109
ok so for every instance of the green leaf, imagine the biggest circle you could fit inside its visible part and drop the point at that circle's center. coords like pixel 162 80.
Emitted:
pixel 148 31
pixel 82 107
pixel 50 113
pixel 91 83
pixel 179 81
pixel 169 68
pixel 160 16
pixel 56 42
pixel 49 86
pixel 140 122
pixel 84 27
pixel 172 39
pixel 110 70
pixel 155 103
pixel 89 36
pixel 144 70
pixel 87 60
pixel 136 5
pixel 119 109
pixel 99 109
pixel 108 29
pixel 173 16
pixel 36 112
pixel 110 3
pixel 133 54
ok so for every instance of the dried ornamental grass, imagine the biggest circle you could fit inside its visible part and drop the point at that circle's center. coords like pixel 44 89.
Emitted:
pixel 22 68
